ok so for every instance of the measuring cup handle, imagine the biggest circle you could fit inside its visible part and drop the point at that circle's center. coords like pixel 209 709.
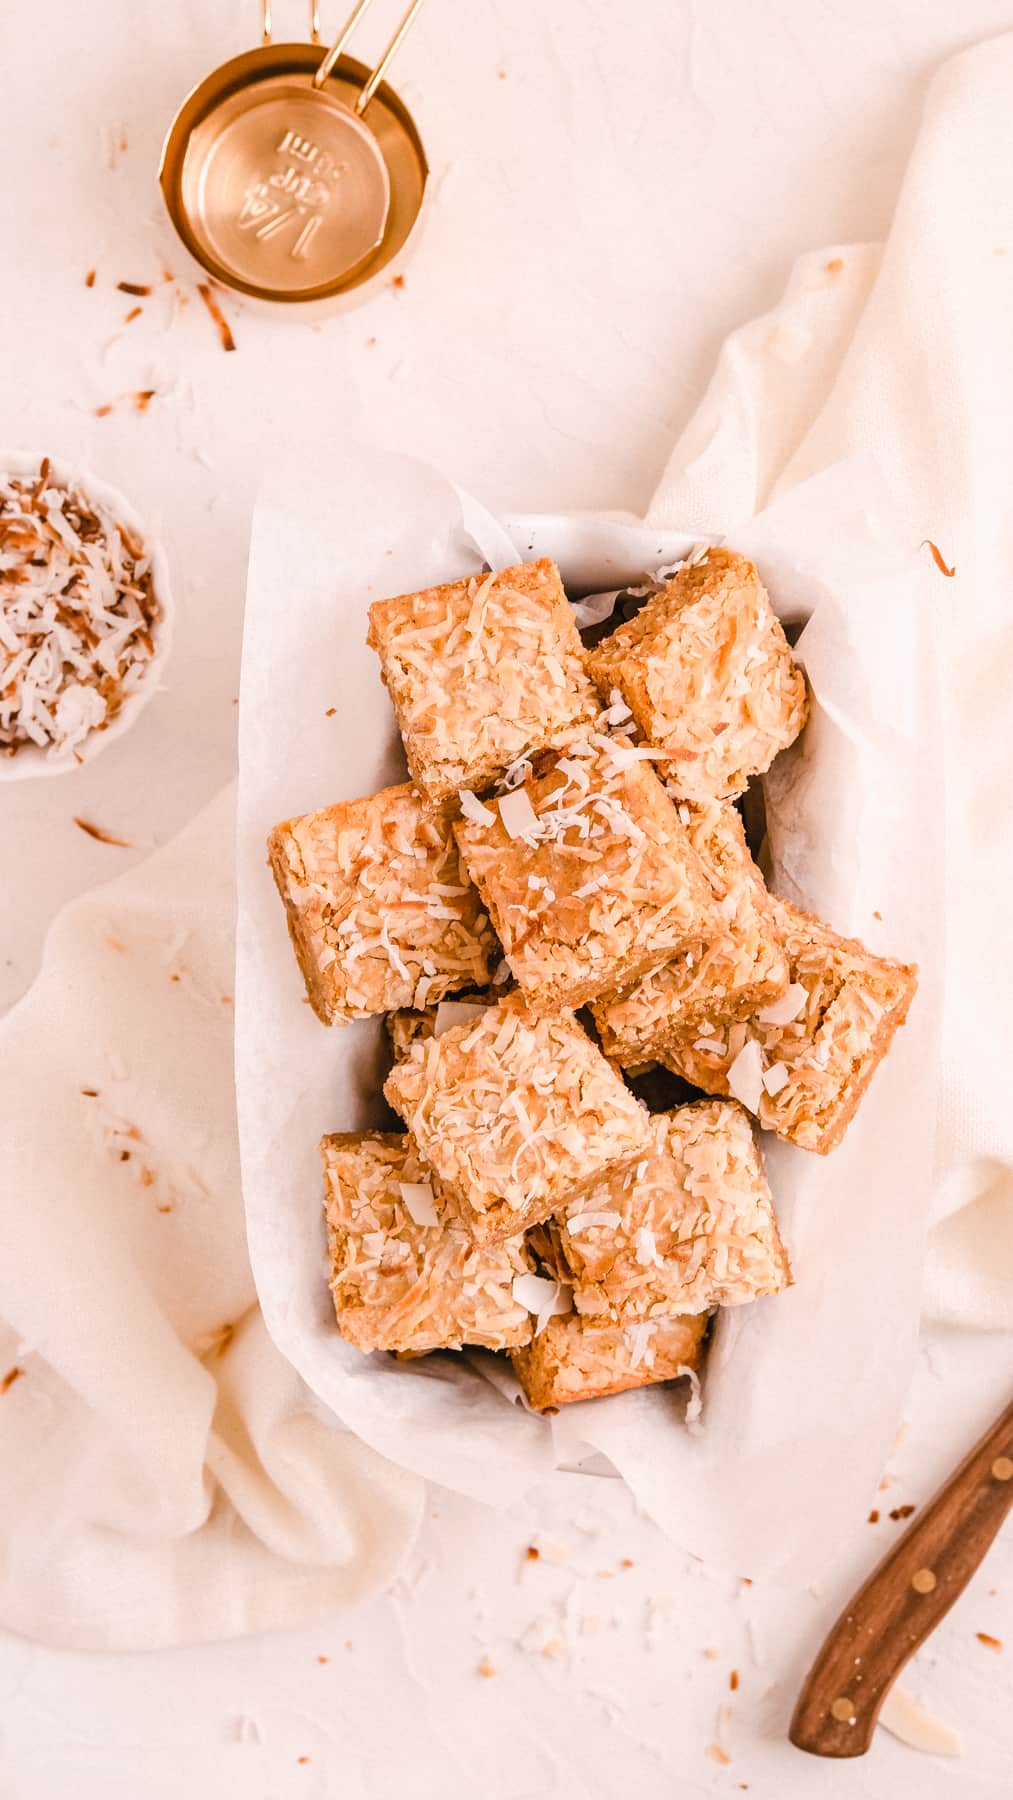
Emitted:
pixel 267 22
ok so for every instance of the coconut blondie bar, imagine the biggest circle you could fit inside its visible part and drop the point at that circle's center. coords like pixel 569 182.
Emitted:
pixel 709 676
pixel 516 1114
pixel 569 1360
pixel 588 873
pixel 690 1227
pixel 803 1063
pixel 480 671
pixel 404 1275
pixel 379 910
pixel 740 969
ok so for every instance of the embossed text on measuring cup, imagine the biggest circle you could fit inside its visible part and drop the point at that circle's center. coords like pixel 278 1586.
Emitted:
pixel 294 197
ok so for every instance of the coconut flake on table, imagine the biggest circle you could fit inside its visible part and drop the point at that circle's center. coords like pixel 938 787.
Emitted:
pixel 907 1719
pixel 419 1201
pixel 745 1075
pixel 546 1299
pixel 77 611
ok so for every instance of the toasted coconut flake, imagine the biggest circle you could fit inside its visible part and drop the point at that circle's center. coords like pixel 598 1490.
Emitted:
pixel 745 1076
pixel 546 1299
pixel 938 558
pixel 517 813
pixel 584 1220
pixel 225 336
pixel 418 1198
pixel 102 837
pixel 783 1011
pixel 907 1719
pixel 473 809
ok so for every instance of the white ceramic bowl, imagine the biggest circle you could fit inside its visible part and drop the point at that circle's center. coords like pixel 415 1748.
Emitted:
pixel 33 759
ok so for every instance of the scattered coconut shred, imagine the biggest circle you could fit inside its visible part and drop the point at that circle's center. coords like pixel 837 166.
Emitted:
pixel 77 611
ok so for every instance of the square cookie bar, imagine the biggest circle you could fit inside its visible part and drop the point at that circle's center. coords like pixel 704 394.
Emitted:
pixel 570 1361
pixel 404 1275
pixel 709 676
pixel 689 1228
pixel 741 968
pixel 588 873
pixel 481 671
pixel 379 912
pixel 516 1114
pixel 803 1063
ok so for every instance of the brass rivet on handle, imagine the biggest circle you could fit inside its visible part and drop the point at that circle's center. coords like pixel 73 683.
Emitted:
pixel 843 1711
pixel 923 1581
pixel 1002 1468
pixel 292 174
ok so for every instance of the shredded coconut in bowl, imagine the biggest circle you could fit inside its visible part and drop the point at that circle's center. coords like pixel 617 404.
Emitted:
pixel 78 614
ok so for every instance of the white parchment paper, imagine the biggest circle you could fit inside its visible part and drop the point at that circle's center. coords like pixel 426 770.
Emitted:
pixel 802 1393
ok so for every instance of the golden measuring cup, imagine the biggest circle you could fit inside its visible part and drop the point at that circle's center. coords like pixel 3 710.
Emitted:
pixel 277 181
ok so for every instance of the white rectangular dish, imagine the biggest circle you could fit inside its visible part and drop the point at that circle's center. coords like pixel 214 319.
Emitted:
pixel 802 1393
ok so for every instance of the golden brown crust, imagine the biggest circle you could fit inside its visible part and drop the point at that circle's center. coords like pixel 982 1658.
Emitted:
pixel 479 672
pixel 380 912
pixel 400 1284
pixel 588 873
pixel 816 1066
pixel 570 1360
pixel 516 1114
pixel 708 674
pixel 741 968
pixel 689 1228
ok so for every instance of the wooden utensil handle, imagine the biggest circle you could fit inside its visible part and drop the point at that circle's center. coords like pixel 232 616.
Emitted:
pixel 903 1600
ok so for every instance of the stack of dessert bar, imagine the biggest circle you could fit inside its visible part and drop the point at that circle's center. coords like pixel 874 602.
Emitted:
pixel 568 861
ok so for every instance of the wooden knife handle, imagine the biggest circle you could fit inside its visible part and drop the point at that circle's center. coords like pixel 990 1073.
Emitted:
pixel 903 1600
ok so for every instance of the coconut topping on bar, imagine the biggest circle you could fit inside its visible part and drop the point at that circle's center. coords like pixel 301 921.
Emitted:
pixel 481 672
pixel 404 1275
pixel 515 1114
pixel 571 1360
pixel 694 1229
pixel 379 910
pixel 709 676
pixel 742 966
pixel 804 1075
pixel 588 873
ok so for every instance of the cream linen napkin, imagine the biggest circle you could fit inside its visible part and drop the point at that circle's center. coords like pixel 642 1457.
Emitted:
pixel 907 350
pixel 163 1475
